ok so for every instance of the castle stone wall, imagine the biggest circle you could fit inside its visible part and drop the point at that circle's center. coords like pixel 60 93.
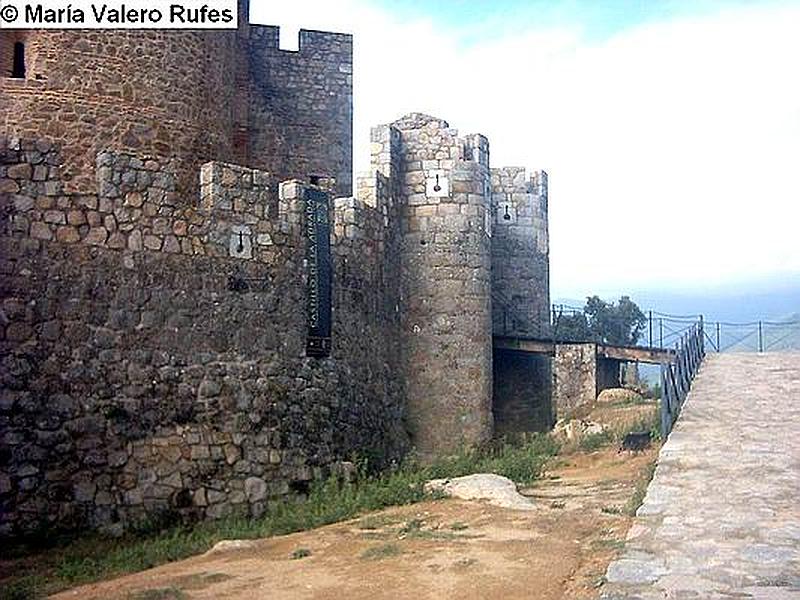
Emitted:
pixel 522 393
pixel 446 296
pixel 139 383
pixel 575 377
pixel 165 94
pixel 195 96
pixel 301 106
pixel 521 298
pixel 520 253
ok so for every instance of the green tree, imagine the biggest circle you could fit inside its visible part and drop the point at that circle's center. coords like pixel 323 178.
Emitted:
pixel 621 323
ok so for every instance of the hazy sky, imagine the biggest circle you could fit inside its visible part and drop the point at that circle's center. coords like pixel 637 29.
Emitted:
pixel 670 130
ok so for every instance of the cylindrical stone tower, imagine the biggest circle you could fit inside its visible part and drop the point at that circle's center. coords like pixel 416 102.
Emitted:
pixel 167 94
pixel 446 288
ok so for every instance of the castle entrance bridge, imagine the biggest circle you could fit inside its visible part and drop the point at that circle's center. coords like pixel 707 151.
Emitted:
pixel 581 369
pixel 580 364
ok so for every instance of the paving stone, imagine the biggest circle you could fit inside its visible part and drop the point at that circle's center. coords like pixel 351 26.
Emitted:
pixel 721 517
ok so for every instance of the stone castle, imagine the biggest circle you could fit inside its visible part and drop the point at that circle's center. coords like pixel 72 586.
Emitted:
pixel 178 336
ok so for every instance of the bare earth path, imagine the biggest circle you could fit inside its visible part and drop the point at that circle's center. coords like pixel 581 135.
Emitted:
pixel 437 550
pixel 721 518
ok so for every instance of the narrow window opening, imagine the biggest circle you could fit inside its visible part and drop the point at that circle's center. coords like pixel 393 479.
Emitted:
pixel 314 179
pixel 18 69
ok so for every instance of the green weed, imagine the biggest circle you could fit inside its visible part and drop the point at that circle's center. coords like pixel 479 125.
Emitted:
pixel 93 558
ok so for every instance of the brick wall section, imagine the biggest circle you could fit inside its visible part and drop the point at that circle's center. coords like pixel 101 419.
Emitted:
pixel 301 107
pixel 446 303
pixel 136 383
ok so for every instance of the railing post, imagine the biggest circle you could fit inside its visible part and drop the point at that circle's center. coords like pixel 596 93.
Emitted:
pixel 661 333
pixel 665 413
pixel 760 337
pixel 719 348
pixel 702 334
pixel 650 327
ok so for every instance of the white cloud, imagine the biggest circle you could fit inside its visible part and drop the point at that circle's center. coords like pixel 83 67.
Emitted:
pixel 672 147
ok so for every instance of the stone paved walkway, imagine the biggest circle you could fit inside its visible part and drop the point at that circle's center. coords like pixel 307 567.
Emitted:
pixel 721 519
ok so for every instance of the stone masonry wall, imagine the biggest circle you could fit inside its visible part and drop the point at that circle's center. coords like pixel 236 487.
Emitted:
pixel 446 301
pixel 574 378
pixel 195 96
pixel 153 351
pixel 521 298
pixel 520 253
pixel 522 393
pixel 301 106
pixel 165 94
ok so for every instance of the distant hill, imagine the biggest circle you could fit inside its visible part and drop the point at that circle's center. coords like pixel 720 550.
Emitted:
pixel 757 300
pixel 769 300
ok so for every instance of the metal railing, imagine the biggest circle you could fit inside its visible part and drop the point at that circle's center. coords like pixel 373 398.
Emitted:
pixel 657 330
pixel 677 376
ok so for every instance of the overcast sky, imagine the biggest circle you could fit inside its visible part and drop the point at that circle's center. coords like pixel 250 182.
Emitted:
pixel 670 130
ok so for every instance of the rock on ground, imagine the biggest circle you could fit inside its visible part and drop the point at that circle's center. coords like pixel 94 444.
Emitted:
pixel 232 545
pixel 577 429
pixel 614 395
pixel 497 490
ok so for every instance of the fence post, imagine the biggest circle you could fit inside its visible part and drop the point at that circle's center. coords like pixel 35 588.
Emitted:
pixel 650 327
pixel 665 404
pixel 702 348
pixel 661 333
pixel 760 338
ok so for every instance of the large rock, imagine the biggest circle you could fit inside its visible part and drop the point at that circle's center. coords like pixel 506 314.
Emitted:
pixel 497 490
pixel 577 429
pixel 232 546
pixel 620 395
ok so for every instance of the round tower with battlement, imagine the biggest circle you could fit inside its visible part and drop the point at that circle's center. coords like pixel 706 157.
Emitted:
pixel 446 285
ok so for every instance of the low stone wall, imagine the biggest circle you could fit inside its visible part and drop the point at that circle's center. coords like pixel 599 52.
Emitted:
pixel 574 378
pixel 580 374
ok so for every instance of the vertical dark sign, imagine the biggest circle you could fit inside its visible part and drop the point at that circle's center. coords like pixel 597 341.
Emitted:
pixel 318 258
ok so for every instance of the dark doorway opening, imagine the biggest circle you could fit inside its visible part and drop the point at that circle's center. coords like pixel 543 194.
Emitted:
pixel 18 68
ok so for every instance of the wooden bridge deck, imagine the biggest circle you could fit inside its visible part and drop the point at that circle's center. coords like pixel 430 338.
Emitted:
pixel 621 353
pixel 721 518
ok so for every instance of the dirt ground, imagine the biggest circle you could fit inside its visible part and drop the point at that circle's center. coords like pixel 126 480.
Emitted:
pixel 440 549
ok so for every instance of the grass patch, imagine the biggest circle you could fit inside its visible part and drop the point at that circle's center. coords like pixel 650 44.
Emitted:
pixel 651 423
pixel 94 558
pixel 415 529
pixel 381 552
pixel 373 522
pixel 614 435
pixel 301 553
pixel 595 441
pixel 611 510
pixel 19 589
pixel 459 526
pixel 608 544
pixel 641 489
